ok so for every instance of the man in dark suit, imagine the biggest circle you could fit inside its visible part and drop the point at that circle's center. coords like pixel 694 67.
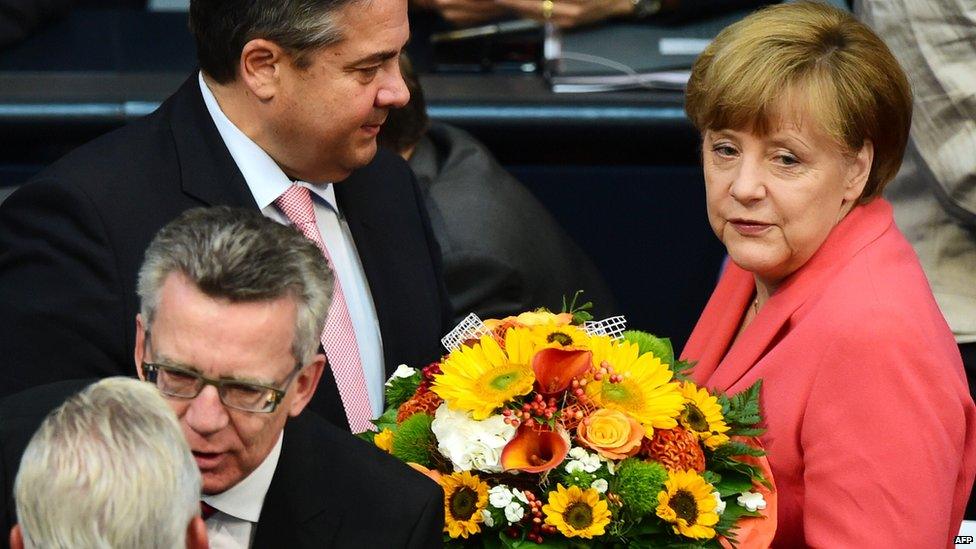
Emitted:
pixel 503 253
pixel 232 306
pixel 289 91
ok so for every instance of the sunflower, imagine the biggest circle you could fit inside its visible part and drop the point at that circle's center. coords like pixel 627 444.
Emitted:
pixel 558 335
pixel 702 416
pixel 483 377
pixel 645 392
pixel 688 504
pixel 577 513
pixel 465 496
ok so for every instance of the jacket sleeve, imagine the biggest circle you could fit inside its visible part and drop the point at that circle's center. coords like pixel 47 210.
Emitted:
pixel 429 531
pixel 61 299
pixel 884 439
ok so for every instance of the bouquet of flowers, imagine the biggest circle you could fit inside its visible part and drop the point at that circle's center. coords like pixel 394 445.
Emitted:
pixel 555 430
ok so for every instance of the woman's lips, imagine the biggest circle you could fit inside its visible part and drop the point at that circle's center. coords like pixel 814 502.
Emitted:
pixel 749 227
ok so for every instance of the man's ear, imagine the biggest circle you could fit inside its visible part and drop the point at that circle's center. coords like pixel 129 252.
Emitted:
pixel 196 534
pixel 139 353
pixel 260 68
pixel 305 384
pixel 16 537
pixel 859 171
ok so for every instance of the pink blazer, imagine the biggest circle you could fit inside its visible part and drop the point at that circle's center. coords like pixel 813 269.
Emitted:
pixel 870 423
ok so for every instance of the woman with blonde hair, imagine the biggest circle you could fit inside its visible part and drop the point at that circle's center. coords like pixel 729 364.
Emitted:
pixel 804 115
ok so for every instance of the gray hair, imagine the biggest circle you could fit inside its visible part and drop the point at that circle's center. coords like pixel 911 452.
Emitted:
pixel 241 256
pixel 108 468
pixel 222 28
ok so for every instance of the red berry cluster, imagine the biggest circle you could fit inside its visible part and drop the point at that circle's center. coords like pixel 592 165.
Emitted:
pixel 606 371
pixel 537 529
pixel 534 411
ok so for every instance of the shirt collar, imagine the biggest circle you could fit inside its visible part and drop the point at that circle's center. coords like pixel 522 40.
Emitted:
pixel 245 499
pixel 263 175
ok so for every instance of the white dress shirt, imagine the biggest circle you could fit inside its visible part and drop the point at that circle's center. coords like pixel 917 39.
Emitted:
pixel 267 182
pixel 239 508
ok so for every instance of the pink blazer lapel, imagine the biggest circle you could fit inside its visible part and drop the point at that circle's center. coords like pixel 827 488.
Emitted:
pixel 761 335
pixel 718 323
pixel 720 366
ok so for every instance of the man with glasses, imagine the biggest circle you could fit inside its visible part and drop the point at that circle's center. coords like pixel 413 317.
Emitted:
pixel 232 306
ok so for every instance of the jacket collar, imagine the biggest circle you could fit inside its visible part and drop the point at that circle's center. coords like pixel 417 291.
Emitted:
pixel 207 170
pixel 298 510
pixel 721 366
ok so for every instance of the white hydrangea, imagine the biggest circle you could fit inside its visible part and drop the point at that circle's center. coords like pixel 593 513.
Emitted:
pixel 514 512
pixel 468 443
pixel 582 461
pixel 752 501
pixel 600 485
pixel 402 371
pixel 719 503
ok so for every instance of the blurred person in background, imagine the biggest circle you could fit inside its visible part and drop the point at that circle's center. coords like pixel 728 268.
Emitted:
pixel 502 252
pixel 870 428
pixel 579 13
pixel 109 468
pixel 934 193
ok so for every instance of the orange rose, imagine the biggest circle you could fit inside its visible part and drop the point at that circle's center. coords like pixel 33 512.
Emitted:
pixel 532 318
pixel 611 433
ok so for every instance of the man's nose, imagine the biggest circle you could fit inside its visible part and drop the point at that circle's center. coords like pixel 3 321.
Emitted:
pixel 394 93
pixel 206 414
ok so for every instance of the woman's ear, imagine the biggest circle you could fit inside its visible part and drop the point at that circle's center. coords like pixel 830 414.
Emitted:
pixel 858 172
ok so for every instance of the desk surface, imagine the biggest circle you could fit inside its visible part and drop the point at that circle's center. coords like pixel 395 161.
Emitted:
pixel 97 69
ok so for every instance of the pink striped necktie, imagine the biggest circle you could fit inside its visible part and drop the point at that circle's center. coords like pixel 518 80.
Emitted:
pixel 338 338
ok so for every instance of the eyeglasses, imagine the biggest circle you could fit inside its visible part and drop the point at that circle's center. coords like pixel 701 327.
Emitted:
pixel 177 382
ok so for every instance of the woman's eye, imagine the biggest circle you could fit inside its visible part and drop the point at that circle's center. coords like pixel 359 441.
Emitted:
pixel 724 150
pixel 788 160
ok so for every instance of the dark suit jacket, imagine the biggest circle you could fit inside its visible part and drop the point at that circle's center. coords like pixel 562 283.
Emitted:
pixel 72 241
pixel 330 489
pixel 503 253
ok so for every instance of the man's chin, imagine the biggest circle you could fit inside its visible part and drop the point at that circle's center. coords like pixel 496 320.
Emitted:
pixel 357 159
pixel 214 483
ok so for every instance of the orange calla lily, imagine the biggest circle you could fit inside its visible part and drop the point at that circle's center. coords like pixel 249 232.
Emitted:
pixel 555 368
pixel 535 451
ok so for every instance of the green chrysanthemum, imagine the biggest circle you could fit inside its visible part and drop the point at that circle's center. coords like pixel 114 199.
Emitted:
pixel 638 483
pixel 649 343
pixel 414 440
pixel 400 389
